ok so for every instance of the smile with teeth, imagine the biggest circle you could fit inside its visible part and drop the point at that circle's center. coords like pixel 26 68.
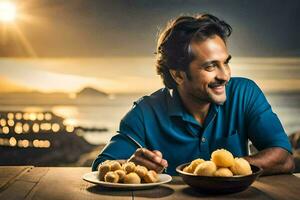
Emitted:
pixel 219 89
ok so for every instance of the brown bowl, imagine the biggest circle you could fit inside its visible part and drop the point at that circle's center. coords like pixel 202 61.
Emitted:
pixel 219 185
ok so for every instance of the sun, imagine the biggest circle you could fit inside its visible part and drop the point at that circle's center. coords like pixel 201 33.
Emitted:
pixel 7 11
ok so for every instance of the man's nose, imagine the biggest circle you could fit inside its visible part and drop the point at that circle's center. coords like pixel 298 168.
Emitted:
pixel 223 73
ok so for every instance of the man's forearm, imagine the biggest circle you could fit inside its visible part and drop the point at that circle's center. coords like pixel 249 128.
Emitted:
pixel 273 161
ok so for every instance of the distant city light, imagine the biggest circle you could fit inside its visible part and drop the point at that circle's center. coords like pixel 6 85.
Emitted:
pixel 26 127
pixel 36 127
pixel 15 123
pixel 18 116
pixel 69 128
pixel 18 128
pixel 55 127
pixel 40 116
pixel 35 143
pixel 20 144
pixel 5 130
pixel 45 126
pixel 41 143
pixel 2 122
pixel 45 144
pixel 48 116
pixel 12 141
pixel 10 122
pixel 25 143
pixel 32 116
pixel 26 116
pixel 10 115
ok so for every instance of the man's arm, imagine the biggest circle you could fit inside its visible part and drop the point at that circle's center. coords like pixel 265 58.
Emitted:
pixel 266 133
pixel 122 149
pixel 273 160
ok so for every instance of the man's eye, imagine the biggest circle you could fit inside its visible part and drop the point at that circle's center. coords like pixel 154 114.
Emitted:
pixel 226 63
pixel 210 67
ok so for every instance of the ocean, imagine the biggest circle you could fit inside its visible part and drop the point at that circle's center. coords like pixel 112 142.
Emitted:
pixel 107 113
pixel 279 78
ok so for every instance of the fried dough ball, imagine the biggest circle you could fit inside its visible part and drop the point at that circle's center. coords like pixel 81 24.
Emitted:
pixel 151 177
pixel 103 169
pixel 132 178
pixel 224 172
pixel 121 174
pixel 207 168
pixel 187 169
pixel 192 166
pixel 141 171
pixel 222 158
pixel 195 163
pixel 241 167
pixel 111 177
pixel 128 167
pixel 114 165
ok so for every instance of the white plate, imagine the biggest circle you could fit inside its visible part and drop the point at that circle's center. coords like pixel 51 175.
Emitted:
pixel 92 177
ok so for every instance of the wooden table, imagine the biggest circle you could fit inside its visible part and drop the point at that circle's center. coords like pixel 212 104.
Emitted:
pixel 28 182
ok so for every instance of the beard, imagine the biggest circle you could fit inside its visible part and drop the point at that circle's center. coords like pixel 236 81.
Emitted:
pixel 207 95
pixel 217 99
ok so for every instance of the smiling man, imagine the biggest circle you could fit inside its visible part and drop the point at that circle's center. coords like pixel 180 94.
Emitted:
pixel 201 109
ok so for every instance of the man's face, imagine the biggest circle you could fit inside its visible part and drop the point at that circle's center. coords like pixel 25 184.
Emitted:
pixel 209 72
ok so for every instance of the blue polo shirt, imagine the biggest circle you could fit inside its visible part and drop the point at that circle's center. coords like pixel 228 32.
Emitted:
pixel 161 122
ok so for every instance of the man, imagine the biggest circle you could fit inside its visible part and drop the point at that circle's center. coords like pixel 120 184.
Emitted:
pixel 201 109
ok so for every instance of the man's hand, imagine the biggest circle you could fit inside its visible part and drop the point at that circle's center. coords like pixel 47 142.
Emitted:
pixel 273 160
pixel 150 159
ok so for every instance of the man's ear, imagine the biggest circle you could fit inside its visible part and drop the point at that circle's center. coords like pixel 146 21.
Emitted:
pixel 177 75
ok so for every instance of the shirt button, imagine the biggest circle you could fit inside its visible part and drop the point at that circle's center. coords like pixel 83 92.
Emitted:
pixel 203 139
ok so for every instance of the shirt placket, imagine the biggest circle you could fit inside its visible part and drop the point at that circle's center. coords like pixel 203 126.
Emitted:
pixel 205 136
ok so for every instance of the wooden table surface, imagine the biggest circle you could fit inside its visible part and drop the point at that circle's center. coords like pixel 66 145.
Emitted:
pixel 28 182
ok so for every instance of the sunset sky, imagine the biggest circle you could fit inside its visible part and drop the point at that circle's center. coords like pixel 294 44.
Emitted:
pixel 130 74
pixel 88 28
pixel 63 46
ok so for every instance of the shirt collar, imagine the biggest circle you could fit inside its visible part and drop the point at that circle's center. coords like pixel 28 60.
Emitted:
pixel 176 108
pixel 174 104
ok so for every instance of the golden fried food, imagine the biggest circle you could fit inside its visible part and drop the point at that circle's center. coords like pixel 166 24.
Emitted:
pixel 103 169
pixel 241 167
pixel 141 170
pixel 207 168
pixel 132 178
pixel 114 172
pixel 111 177
pixel 114 165
pixel 128 167
pixel 222 164
pixel 121 174
pixel 192 166
pixel 224 172
pixel 151 177
pixel 222 158
pixel 187 169
pixel 195 163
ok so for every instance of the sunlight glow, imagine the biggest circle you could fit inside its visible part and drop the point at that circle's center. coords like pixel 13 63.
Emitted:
pixel 7 11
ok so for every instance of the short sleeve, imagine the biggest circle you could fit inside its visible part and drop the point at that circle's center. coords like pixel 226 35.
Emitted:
pixel 263 125
pixel 120 146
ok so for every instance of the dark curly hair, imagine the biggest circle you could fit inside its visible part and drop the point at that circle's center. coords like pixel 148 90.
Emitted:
pixel 173 47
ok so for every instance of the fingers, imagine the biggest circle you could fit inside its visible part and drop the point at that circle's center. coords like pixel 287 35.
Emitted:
pixel 158 153
pixel 147 163
pixel 154 157
pixel 148 154
pixel 163 162
pixel 150 159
